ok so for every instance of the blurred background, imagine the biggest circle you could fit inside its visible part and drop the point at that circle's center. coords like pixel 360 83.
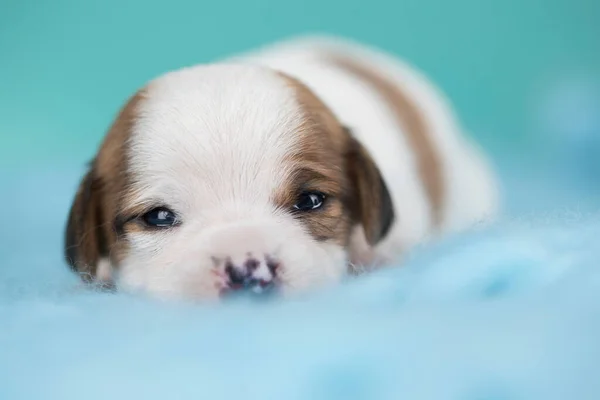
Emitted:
pixel 524 76
pixel 512 67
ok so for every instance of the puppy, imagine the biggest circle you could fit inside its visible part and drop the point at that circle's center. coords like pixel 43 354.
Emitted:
pixel 287 168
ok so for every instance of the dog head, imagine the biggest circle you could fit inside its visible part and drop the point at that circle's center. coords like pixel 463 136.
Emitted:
pixel 214 177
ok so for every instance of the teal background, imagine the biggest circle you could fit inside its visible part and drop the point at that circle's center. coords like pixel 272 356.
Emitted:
pixel 66 66
pixel 506 313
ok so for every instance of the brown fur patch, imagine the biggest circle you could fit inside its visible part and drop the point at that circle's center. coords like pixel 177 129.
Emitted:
pixel 410 117
pixel 331 161
pixel 90 233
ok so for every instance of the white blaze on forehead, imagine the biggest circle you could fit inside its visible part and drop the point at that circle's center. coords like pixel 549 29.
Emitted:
pixel 214 134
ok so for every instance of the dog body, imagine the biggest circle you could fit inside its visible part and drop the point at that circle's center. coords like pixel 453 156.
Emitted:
pixel 285 167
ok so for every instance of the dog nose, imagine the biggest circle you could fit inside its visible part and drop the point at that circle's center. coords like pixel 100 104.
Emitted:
pixel 252 274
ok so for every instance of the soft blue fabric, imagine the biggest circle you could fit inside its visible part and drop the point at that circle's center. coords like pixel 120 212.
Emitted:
pixel 510 311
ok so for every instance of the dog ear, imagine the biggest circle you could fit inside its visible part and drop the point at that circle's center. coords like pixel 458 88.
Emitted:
pixel 372 205
pixel 85 236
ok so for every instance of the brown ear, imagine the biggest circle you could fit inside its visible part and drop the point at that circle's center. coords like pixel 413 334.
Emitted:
pixel 372 205
pixel 85 238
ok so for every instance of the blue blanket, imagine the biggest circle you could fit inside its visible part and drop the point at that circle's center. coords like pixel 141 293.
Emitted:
pixel 511 311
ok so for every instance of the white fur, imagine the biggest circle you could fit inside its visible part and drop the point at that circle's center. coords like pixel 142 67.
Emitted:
pixel 210 144
pixel 471 189
pixel 211 141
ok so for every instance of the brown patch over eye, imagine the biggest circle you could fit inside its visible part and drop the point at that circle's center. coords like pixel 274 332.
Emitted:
pixel 330 161
pixel 327 223
pixel 323 215
pixel 319 168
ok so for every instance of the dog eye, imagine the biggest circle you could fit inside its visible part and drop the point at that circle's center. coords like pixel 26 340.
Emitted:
pixel 160 217
pixel 309 201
